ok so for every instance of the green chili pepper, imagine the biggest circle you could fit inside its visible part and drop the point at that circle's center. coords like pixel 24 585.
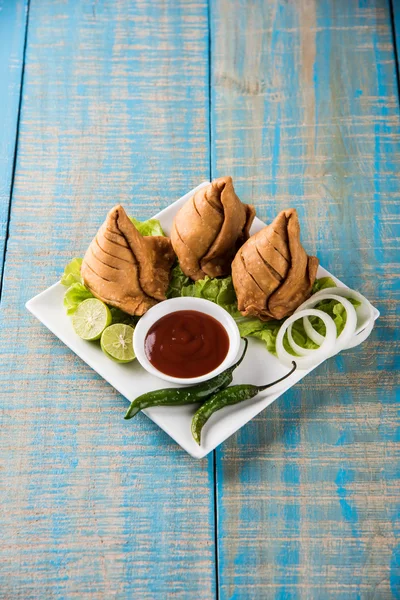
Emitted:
pixel 227 397
pixel 185 395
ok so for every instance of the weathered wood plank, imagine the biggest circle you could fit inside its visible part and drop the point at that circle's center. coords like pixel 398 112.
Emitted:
pixel 12 37
pixel 396 24
pixel 115 108
pixel 305 114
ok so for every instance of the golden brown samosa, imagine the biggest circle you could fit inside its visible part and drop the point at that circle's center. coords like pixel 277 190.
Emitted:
pixel 125 269
pixel 209 229
pixel 271 272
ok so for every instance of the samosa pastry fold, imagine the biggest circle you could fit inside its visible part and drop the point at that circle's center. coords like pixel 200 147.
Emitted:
pixel 272 273
pixel 124 268
pixel 209 229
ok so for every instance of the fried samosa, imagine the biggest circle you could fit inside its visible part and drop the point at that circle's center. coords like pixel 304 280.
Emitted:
pixel 125 269
pixel 271 272
pixel 209 229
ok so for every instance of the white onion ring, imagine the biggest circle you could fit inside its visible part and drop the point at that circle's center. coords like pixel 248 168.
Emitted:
pixel 326 349
pixel 312 333
pixel 351 321
pixel 349 293
pixel 295 347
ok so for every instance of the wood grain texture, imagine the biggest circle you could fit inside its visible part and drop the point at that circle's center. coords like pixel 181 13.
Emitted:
pixel 12 36
pixel 306 114
pixel 396 26
pixel 115 109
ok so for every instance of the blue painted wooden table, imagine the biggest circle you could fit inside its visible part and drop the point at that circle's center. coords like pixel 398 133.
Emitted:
pixel 138 101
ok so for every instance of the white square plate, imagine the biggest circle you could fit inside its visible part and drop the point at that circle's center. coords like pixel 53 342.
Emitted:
pixel 259 366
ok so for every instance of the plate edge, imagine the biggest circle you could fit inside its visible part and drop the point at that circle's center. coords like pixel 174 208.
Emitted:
pixel 30 306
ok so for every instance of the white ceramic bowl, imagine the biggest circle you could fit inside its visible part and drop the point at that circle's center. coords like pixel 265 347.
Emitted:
pixel 174 305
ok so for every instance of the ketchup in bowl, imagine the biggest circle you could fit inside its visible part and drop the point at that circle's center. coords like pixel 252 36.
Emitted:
pixel 186 343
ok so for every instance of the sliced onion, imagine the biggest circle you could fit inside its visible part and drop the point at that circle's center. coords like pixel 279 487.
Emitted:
pixel 359 324
pixel 312 333
pixel 351 321
pixel 365 312
pixel 295 347
pixel 314 357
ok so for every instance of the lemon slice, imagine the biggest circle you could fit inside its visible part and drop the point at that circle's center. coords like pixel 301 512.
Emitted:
pixel 91 318
pixel 117 342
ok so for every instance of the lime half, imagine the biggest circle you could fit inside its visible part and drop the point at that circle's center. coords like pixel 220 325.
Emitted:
pixel 117 342
pixel 91 318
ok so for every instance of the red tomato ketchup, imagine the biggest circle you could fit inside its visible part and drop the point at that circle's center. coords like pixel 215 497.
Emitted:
pixel 186 343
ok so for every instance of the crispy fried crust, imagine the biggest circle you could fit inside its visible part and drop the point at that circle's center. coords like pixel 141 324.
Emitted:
pixel 125 269
pixel 209 229
pixel 271 272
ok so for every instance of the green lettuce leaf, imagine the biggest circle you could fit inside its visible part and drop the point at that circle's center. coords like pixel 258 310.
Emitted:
pixel 72 273
pixel 150 227
pixel 336 311
pixel 332 308
pixel 74 295
pixel 300 337
pixel 220 291
pixel 77 292
pixel 177 282
pixel 322 284
pixel 266 331
pixel 119 316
